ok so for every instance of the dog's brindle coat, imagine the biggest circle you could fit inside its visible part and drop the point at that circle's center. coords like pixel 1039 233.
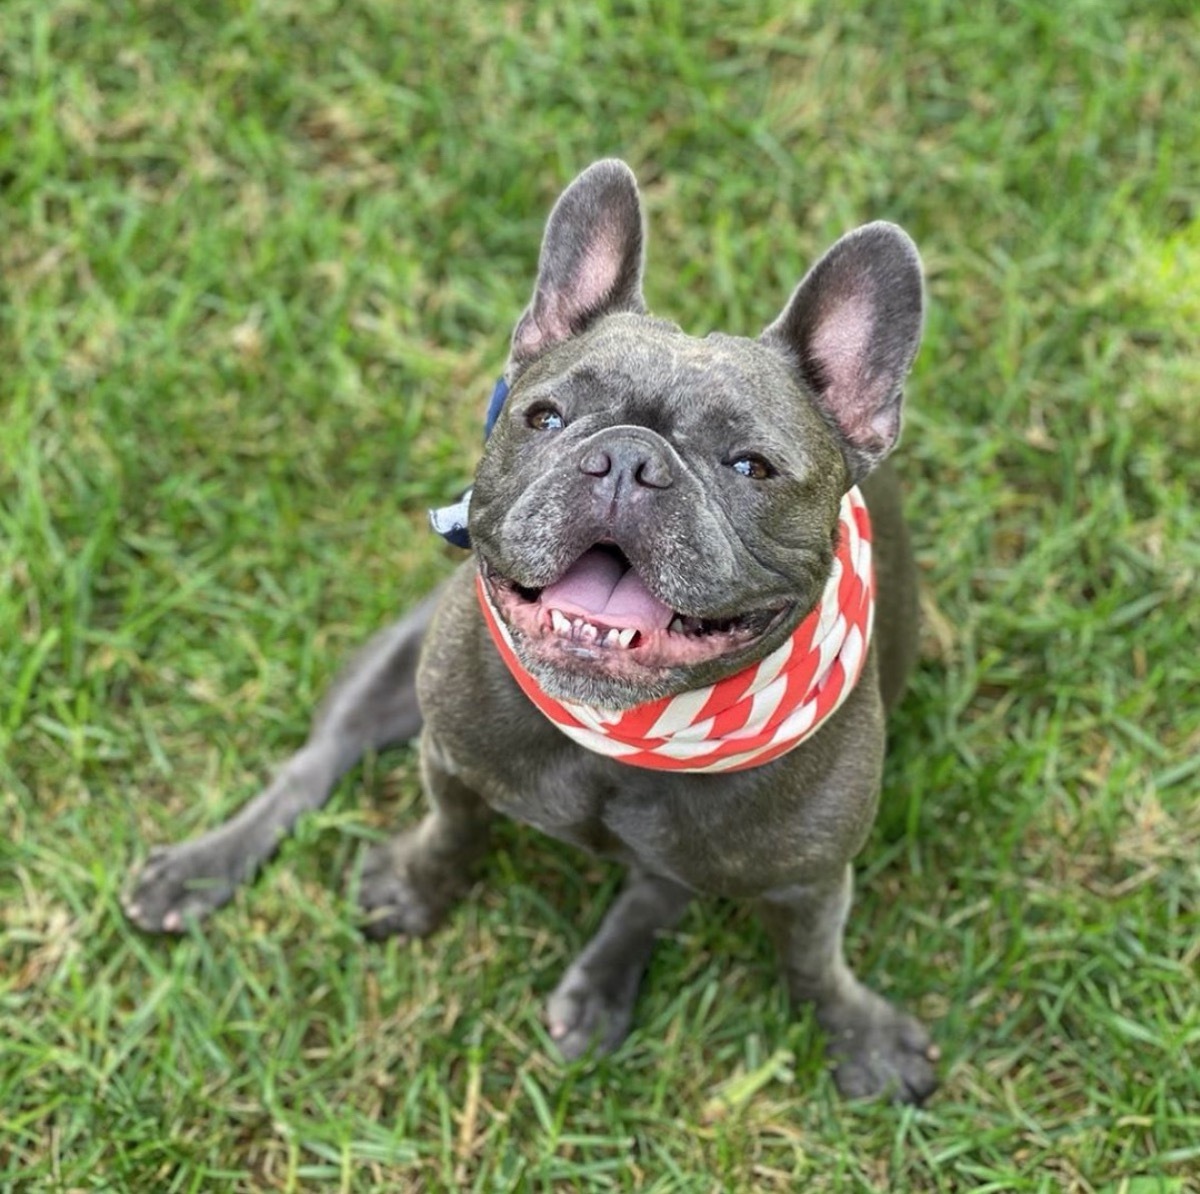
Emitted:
pixel 818 396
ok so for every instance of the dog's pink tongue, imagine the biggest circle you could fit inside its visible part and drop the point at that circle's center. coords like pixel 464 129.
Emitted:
pixel 599 587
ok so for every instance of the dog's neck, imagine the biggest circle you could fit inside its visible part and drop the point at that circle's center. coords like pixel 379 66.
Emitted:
pixel 755 715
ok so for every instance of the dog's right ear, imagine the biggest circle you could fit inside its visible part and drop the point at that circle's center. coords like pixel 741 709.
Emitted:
pixel 590 265
pixel 851 329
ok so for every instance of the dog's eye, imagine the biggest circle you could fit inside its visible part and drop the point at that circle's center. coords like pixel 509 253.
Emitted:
pixel 754 467
pixel 545 418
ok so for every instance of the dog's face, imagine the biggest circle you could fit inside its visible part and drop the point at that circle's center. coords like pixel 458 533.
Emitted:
pixel 654 511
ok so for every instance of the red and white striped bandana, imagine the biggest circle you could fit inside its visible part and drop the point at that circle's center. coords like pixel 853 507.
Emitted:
pixel 755 715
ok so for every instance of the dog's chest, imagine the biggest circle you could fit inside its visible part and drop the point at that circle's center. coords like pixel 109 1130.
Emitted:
pixel 551 784
pixel 720 838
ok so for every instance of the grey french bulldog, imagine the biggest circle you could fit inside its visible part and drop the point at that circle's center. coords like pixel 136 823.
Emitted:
pixel 706 475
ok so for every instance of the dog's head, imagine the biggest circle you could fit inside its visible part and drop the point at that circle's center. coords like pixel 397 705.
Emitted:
pixel 654 511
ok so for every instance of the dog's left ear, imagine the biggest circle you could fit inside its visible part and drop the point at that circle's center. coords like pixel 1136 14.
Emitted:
pixel 590 264
pixel 852 329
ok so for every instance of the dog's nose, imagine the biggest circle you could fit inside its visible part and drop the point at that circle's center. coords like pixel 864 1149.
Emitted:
pixel 628 460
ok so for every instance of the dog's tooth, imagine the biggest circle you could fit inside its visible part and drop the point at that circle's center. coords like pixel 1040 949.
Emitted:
pixel 588 633
pixel 676 626
pixel 560 622
pixel 610 639
pixel 626 636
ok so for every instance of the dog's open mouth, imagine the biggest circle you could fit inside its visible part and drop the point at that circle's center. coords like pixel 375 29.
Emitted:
pixel 600 609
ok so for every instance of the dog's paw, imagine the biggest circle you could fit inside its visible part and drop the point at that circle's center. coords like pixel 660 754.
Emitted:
pixel 176 884
pixel 880 1052
pixel 393 901
pixel 585 1012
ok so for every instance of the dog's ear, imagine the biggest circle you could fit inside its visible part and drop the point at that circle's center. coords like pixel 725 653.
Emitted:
pixel 591 261
pixel 852 329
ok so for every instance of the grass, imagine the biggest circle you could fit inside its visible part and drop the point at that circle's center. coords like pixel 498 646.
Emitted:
pixel 260 261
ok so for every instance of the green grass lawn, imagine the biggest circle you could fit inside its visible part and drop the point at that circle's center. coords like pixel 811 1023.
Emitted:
pixel 259 262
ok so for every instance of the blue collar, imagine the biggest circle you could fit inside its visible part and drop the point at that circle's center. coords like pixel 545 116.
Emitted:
pixel 451 521
pixel 495 406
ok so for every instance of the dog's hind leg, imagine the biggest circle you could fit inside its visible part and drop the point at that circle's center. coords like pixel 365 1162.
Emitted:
pixel 372 705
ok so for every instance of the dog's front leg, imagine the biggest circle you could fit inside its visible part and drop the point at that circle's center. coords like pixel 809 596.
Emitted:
pixel 877 1049
pixel 593 1002
pixel 372 705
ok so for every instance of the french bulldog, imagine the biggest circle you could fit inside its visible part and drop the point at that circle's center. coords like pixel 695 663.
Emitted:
pixel 655 516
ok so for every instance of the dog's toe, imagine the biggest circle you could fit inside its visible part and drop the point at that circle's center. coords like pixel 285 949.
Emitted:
pixel 882 1052
pixel 175 885
pixel 393 905
pixel 583 1015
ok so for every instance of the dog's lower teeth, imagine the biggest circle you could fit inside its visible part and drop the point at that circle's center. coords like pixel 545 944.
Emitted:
pixel 585 632
pixel 676 626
